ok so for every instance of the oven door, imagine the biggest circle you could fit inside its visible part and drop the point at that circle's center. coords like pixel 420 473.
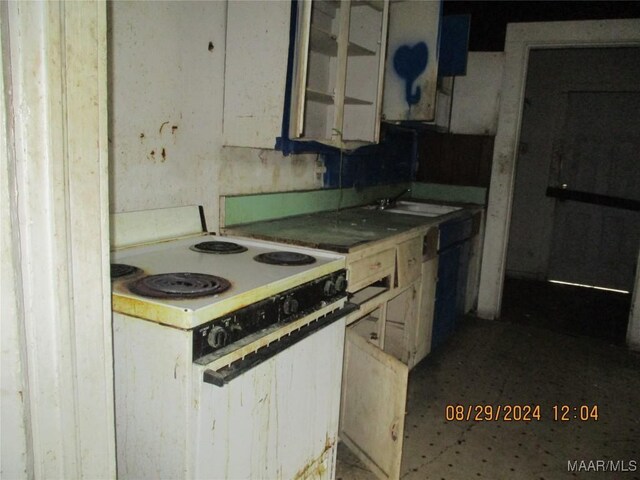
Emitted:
pixel 274 414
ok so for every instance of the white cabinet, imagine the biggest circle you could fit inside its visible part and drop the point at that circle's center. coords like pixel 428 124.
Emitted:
pixel 255 74
pixel 411 72
pixel 374 397
pixel 424 324
pixel 384 340
pixel 338 71
pixel 343 69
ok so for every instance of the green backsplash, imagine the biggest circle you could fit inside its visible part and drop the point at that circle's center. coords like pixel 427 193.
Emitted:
pixel 241 209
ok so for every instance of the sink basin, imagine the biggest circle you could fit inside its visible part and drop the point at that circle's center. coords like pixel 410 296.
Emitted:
pixel 422 209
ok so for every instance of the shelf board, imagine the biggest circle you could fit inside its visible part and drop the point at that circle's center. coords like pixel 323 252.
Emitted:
pixel 375 4
pixel 326 43
pixel 356 101
pixel 327 99
pixel 319 97
pixel 323 42
pixel 359 51
pixel 328 7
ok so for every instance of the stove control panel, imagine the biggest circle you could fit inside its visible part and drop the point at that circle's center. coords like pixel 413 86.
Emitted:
pixel 282 308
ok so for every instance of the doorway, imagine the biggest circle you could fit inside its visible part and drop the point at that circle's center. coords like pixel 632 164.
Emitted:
pixel 575 212
pixel 520 40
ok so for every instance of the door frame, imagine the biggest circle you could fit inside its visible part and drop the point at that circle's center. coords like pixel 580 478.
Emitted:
pixel 520 40
pixel 57 401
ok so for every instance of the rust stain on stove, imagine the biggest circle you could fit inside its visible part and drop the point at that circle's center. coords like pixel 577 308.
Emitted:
pixel 316 467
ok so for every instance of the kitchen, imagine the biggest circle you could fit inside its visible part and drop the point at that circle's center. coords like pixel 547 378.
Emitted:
pixel 177 173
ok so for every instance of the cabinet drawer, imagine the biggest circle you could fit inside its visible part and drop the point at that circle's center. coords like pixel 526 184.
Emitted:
pixel 371 268
pixel 409 260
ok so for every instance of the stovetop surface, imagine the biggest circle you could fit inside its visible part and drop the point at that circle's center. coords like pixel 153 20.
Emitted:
pixel 250 281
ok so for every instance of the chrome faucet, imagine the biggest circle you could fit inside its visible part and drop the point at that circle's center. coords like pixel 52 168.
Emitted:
pixel 390 202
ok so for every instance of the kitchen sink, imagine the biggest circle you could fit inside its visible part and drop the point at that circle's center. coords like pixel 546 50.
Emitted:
pixel 423 209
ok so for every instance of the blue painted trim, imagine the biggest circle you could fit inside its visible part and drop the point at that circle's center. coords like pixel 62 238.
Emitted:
pixel 454 45
pixel 393 160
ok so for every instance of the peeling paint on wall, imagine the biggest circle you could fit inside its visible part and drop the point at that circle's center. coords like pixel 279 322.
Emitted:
pixel 166 104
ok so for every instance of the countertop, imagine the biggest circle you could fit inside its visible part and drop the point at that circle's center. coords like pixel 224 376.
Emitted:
pixel 343 231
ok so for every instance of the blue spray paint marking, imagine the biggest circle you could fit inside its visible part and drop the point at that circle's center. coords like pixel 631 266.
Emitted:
pixel 409 63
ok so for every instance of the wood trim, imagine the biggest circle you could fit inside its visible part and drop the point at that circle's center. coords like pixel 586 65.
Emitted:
pixel 58 106
pixel 341 77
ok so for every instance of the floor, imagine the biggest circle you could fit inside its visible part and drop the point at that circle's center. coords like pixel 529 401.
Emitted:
pixel 567 309
pixel 519 362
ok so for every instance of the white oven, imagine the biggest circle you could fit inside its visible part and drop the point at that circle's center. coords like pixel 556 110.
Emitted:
pixel 241 382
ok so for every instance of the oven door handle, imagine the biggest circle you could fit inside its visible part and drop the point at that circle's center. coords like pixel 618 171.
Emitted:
pixel 224 375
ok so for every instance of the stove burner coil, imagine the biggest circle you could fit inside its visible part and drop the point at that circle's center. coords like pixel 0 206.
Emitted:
pixel 218 247
pixel 119 270
pixel 179 285
pixel 284 258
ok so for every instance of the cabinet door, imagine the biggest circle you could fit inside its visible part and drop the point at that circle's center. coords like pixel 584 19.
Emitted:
pixel 374 397
pixel 444 320
pixel 255 72
pixel 424 325
pixel 411 72
pixel 338 71
pixel 409 260
pixel 400 323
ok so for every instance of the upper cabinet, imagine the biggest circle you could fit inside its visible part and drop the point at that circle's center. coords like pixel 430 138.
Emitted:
pixel 255 74
pixel 336 95
pixel 411 72
pixel 342 68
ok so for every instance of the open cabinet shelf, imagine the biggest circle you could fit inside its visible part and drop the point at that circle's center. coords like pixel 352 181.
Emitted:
pixel 338 71
pixel 327 99
pixel 327 43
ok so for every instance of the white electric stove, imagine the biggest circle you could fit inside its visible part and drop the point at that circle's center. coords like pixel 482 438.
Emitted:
pixel 228 356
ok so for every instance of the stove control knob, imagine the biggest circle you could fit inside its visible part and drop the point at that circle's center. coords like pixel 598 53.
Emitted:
pixel 329 288
pixel 341 283
pixel 290 306
pixel 217 337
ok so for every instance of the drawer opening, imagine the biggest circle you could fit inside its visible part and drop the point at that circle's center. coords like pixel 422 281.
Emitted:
pixel 399 312
pixel 371 326
pixel 371 291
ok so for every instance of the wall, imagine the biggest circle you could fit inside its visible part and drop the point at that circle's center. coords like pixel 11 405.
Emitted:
pixel 476 95
pixel 166 81
pixel 550 73
pixel 633 329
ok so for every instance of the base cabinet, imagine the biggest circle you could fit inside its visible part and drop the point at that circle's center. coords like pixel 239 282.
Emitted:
pixel 387 337
pixel 374 396
pixel 424 323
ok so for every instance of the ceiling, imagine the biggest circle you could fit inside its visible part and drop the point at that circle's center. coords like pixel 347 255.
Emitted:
pixel 489 19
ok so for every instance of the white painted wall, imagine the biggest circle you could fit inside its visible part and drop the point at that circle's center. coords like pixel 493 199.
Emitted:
pixel 163 74
pixel 550 75
pixel 166 91
pixel 250 170
pixel 476 95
